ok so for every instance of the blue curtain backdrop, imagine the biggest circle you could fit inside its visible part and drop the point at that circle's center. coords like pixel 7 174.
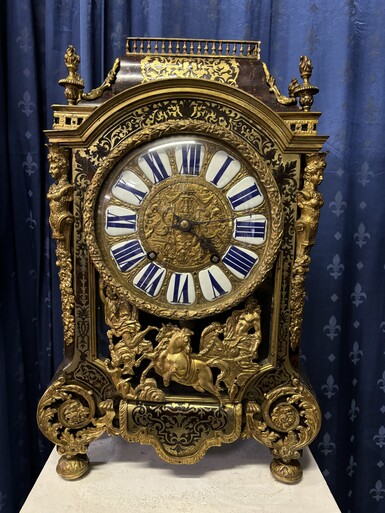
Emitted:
pixel 344 333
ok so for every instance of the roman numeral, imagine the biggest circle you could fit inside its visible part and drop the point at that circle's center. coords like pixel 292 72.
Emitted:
pixel 181 289
pixel 217 289
pixel 127 222
pixel 244 196
pixel 250 229
pixel 239 261
pixel 154 162
pixel 191 159
pixel 214 283
pixel 150 279
pixel 221 171
pixel 136 192
pixel 127 254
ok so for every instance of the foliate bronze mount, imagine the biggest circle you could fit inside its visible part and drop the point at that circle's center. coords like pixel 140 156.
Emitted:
pixel 184 208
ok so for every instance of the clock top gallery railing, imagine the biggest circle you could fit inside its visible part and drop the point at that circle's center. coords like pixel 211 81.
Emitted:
pixel 208 48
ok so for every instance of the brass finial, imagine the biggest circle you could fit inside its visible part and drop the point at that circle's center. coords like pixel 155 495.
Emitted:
pixel 73 83
pixel 304 91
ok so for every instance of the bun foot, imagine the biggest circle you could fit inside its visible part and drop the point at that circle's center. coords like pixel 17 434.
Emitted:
pixel 73 467
pixel 287 472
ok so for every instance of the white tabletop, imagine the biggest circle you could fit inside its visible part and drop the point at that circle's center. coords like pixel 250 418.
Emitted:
pixel 128 477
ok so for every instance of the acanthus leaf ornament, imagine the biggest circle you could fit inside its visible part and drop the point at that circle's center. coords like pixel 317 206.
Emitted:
pixel 287 421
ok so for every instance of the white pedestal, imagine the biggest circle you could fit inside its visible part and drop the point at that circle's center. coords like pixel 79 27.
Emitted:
pixel 128 477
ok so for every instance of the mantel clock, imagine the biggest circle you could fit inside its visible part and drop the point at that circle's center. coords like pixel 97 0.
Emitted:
pixel 184 208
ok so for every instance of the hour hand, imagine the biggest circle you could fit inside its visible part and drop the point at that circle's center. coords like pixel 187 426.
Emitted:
pixel 181 223
pixel 207 245
pixel 185 225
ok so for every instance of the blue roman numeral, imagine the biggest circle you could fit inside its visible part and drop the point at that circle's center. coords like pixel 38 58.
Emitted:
pixel 191 159
pixel 128 187
pixel 217 289
pixel 245 195
pixel 254 229
pixel 150 279
pixel 221 171
pixel 180 294
pixel 125 221
pixel 239 260
pixel 156 165
pixel 128 254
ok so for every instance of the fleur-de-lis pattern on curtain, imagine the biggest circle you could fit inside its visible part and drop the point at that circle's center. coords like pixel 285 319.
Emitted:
pixel 344 331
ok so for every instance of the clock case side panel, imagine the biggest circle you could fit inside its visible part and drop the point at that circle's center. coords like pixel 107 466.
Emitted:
pixel 106 128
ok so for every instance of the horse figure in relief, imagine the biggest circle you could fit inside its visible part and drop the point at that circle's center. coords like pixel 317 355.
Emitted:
pixel 174 360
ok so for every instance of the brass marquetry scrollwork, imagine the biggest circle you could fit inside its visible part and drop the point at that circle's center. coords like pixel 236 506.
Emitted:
pixel 310 202
pixel 180 432
pixel 217 70
pixel 60 196
pixel 288 420
pixel 180 426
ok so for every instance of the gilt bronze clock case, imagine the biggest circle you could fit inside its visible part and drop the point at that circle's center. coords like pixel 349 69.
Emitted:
pixel 184 208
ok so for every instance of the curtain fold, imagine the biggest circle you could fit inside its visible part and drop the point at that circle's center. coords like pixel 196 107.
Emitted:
pixel 344 329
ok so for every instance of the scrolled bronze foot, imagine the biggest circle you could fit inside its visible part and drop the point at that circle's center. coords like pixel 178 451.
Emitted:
pixel 73 467
pixel 287 472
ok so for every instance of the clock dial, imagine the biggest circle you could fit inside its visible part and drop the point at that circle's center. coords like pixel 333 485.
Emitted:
pixel 183 226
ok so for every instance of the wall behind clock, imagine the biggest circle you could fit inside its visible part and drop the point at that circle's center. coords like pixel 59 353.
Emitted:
pixel 344 332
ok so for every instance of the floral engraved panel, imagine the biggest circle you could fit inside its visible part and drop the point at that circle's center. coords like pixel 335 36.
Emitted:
pixel 217 70
pixel 180 428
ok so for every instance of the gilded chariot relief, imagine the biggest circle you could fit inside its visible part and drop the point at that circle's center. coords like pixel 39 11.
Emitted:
pixel 184 208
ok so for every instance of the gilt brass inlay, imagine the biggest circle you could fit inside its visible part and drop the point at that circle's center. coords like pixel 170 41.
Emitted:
pixel 217 70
